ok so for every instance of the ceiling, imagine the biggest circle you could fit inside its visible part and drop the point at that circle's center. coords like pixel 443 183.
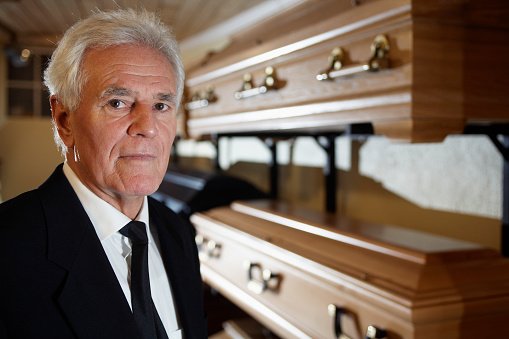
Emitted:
pixel 40 22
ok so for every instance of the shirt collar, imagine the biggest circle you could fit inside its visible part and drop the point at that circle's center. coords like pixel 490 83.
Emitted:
pixel 105 218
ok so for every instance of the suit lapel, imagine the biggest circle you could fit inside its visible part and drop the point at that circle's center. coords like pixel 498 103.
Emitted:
pixel 91 298
pixel 180 265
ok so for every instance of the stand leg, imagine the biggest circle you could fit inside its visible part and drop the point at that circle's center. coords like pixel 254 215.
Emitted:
pixel 328 143
pixel 273 168
pixel 504 246
pixel 501 142
pixel 215 142
pixel 174 156
pixel 330 176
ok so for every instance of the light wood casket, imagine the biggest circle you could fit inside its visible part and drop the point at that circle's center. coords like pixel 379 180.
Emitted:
pixel 314 276
pixel 446 66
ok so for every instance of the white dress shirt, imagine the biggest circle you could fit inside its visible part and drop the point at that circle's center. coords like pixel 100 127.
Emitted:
pixel 107 221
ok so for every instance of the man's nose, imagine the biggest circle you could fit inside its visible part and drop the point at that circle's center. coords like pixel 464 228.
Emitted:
pixel 143 122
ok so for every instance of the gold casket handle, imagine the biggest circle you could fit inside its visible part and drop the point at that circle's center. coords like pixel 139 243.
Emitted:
pixel 207 248
pixel 248 89
pixel 201 99
pixel 374 332
pixel 259 279
pixel 336 312
pixel 379 60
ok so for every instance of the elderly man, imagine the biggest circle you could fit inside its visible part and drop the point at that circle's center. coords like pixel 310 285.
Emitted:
pixel 88 254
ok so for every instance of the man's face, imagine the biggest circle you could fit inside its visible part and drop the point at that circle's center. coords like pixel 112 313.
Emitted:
pixel 125 123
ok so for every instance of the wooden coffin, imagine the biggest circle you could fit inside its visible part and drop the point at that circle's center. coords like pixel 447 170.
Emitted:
pixel 441 65
pixel 312 276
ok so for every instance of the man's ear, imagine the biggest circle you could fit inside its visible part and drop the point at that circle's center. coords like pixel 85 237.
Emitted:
pixel 61 117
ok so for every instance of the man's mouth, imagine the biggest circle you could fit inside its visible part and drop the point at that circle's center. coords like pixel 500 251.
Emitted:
pixel 138 156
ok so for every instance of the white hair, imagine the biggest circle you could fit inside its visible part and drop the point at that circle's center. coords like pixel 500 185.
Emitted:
pixel 65 77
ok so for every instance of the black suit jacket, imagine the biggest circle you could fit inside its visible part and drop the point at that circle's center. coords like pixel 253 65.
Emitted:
pixel 56 280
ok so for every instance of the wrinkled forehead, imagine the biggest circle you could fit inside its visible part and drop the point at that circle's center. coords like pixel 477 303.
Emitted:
pixel 135 64
pixel 134 54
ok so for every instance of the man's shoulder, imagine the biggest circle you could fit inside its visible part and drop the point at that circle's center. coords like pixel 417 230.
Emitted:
pixel 21 206
pixel 21 223
pixel 24 204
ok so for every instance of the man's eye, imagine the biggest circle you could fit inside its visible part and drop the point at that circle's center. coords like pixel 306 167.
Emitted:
pixel 115 103
pixel 161 107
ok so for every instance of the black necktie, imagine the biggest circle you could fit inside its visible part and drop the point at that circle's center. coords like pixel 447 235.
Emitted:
pixel 144 311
